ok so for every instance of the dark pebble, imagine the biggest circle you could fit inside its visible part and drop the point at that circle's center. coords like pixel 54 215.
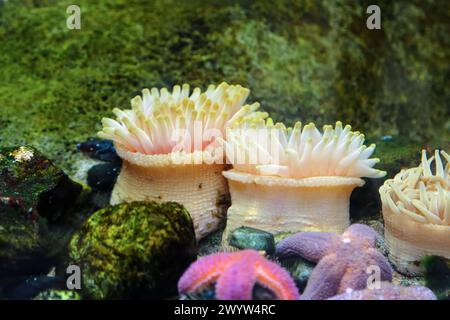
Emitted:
pixel 29 287
pixel 99 149
pixel 251 238
pixel 103 176
pixel 299 269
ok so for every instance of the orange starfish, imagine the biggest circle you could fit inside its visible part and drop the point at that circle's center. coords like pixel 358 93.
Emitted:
pixel 235 275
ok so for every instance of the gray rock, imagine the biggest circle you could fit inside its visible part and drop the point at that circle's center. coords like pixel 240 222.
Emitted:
pixel 250 238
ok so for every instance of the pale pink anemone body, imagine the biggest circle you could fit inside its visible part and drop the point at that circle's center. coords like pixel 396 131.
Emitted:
pixel 167 141
pixel 294 179
pixel 416 211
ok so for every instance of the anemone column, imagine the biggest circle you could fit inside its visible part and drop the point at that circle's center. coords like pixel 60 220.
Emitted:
pixel 201 188
pixel 279 205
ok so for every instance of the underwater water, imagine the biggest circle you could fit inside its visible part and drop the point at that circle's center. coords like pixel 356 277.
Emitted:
pixel 71 227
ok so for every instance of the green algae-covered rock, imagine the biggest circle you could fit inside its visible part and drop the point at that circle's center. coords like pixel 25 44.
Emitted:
pixel 34 195
pixel 137 250
pixel 35 183
pixel 251 238
pixel 54 294
pixel 22 242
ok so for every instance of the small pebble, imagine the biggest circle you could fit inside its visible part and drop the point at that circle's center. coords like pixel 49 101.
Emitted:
pixel 99 149
pixel 251 238
pixel 103 176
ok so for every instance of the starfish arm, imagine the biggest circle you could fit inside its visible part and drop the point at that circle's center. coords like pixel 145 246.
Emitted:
pixel 354 279
pixel 311 246
pixel 274 277
pixel 382 262
pixel 203 272
pixel 237 282
pixel 325 279
pixel 363 266
pixel 361 233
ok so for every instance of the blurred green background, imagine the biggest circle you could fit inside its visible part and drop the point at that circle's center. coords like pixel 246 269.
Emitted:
pixel 309 60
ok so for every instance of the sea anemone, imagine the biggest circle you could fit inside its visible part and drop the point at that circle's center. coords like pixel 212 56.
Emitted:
pixel 294 179
pixel 416 211
pixel 168 145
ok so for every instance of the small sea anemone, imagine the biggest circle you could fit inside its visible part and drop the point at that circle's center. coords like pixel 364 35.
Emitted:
pixel 294 179
pixel 168 145
pixel 416 210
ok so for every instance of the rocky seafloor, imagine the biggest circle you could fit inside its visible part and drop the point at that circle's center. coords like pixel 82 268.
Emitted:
pixel 138 250
pixel 303 60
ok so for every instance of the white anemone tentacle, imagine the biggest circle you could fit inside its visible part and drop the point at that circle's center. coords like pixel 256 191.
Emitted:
pixel 416 210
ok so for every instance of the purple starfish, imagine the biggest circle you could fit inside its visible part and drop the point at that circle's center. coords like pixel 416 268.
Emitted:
pixel 388 291
pixel 235 275
pixel 343 262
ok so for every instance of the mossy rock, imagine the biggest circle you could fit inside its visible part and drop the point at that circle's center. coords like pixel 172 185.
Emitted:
pixel 37 185
pixel 137 250
pixel 22 242
pixel 35 195
pixel 53 294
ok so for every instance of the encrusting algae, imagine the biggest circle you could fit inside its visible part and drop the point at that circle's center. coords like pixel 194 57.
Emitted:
pixel 416 211
pixel 168 144
pixel 294 179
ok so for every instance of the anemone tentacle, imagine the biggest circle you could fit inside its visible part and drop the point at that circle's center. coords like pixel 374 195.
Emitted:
pixel 265 148
pixel 160 121
pixel 420 194
pixel 416 211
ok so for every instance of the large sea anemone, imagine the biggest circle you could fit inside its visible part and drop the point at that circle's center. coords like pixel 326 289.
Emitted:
pixel 294 179
pixel 416 211
pixel 168 143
